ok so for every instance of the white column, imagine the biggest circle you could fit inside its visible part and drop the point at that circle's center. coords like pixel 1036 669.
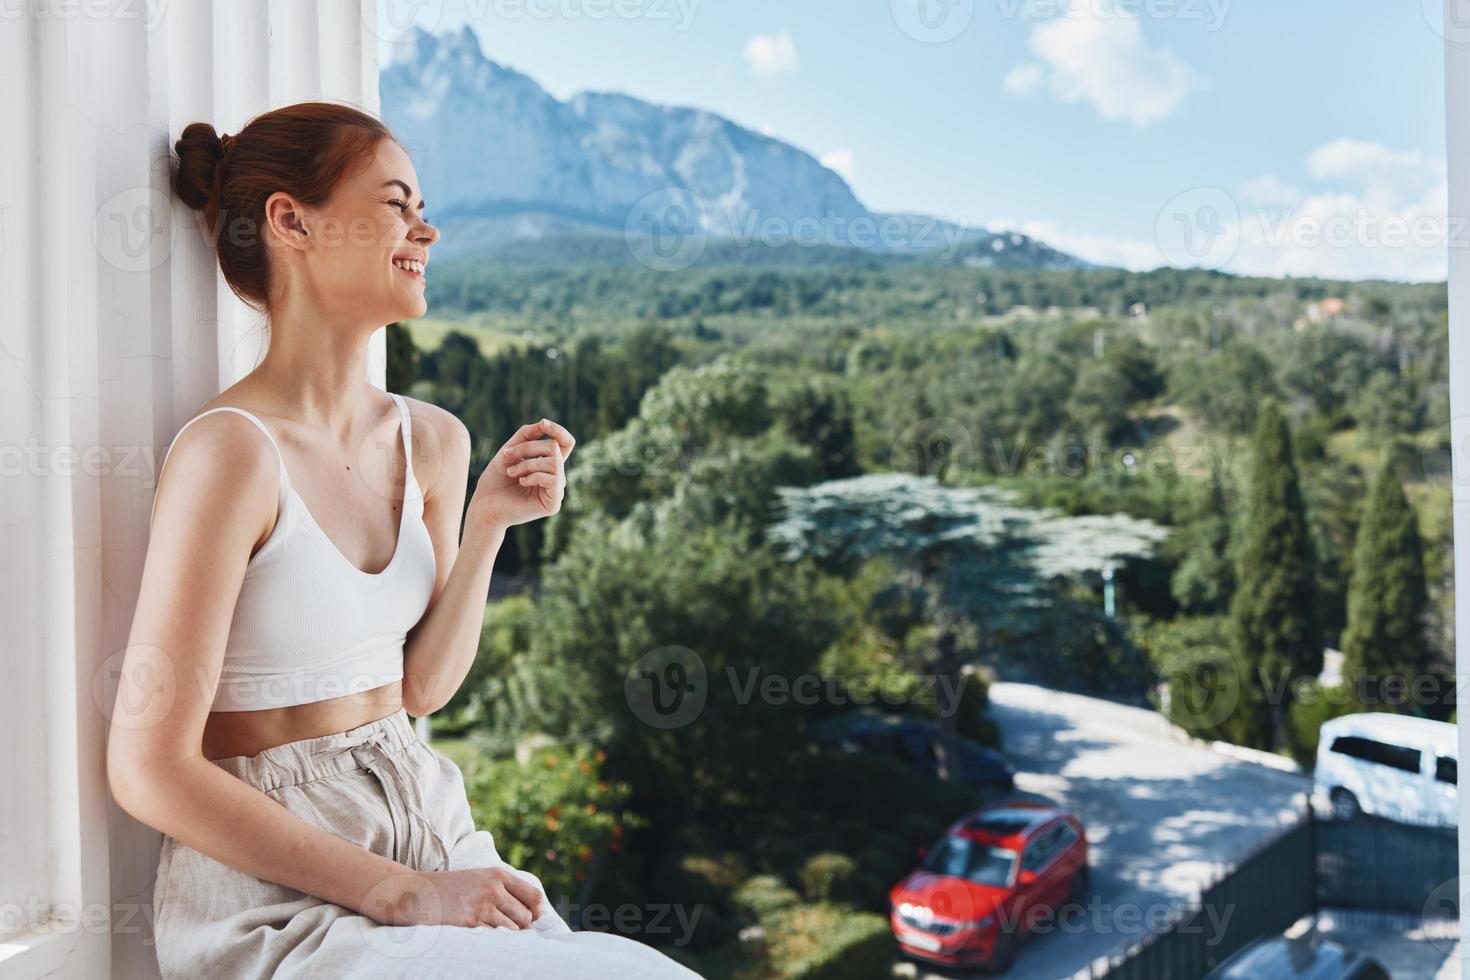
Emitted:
pixel 115 326
pixel 1457 109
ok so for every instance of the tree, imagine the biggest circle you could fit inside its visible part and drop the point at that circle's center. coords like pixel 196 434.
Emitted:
pixel 1276 634
pixel 658 637
pixel 1385 638
pixel 975 572
pixel 820 416
pixel 403 358
pixel 1205 578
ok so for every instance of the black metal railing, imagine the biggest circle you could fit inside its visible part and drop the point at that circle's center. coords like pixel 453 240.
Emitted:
pixel 1315 863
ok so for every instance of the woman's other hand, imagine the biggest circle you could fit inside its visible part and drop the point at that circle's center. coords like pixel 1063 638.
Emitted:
pixel 527 478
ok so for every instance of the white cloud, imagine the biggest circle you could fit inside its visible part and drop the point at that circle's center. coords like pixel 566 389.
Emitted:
pixel 1101 57
pixel 1382 172
pixel 1386 216
pixel 840 161
pixel 1373 213
pixel 769 55
pixel 1025 79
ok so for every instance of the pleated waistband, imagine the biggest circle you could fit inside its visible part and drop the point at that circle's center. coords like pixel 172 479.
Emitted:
pixel 325 755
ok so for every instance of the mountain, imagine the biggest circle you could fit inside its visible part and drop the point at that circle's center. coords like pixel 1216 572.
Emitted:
pixel 504 163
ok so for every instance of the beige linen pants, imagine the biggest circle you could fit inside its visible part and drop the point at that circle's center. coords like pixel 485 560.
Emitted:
pixel 381 787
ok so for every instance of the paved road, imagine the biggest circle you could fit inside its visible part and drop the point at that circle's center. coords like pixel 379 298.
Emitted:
pixel 1163 815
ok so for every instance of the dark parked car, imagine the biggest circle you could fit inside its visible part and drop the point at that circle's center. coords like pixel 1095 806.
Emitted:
pixel 1300 958
pixel 912 740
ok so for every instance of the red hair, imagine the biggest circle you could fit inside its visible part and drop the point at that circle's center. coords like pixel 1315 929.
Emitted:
pixel 304 149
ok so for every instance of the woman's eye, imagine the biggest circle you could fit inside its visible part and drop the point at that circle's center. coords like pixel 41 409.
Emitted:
pixel 401 205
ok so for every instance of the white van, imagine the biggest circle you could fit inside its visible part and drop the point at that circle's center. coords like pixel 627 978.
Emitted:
pixel 1388 765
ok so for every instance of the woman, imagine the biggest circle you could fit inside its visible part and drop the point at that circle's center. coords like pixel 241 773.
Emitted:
pixel 306 590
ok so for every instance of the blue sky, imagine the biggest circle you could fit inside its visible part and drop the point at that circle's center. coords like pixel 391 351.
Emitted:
pixel 1307 135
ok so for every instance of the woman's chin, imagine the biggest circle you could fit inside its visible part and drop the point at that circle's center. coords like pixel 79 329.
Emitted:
pixel 409 310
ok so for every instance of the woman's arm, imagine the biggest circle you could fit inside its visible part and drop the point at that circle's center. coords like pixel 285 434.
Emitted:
pixel 216 504
pixel 525 480
pixel 440 649
pixel 216 501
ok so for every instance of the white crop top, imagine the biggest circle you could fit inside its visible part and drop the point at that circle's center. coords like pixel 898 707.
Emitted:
pixel 309 624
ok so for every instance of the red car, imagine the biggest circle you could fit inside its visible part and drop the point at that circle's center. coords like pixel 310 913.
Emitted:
pixel 996 875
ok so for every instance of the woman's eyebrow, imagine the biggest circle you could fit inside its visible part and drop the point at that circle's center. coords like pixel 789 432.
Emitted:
pixel 406 189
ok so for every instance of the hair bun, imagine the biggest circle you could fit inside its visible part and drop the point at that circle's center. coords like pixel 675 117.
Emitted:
pixel 200 150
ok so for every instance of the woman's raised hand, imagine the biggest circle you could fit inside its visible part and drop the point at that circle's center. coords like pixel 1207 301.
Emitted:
pixel 527 478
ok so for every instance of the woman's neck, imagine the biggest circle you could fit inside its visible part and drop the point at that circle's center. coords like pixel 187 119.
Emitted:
pixel 317 369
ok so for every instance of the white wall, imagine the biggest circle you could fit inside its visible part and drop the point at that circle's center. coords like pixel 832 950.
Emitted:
pixel 1457 110
pixel 115 326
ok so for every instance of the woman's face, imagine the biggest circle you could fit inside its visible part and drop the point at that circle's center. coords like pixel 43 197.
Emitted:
pixel 363 249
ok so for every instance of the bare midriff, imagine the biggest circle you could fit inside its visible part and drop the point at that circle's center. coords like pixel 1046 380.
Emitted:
pixel 232 733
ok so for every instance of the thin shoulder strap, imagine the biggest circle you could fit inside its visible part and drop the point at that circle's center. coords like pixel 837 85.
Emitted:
pixel 405 425
pixel 285 480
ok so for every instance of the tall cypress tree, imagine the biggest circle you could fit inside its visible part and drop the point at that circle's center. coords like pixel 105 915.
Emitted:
pixel 1387 597
pixel 1276 633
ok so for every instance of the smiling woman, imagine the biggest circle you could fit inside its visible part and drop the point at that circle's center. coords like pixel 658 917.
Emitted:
pixel 306 589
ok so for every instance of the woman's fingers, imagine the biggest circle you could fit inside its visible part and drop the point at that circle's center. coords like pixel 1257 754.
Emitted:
pixel 528 440
pixel 529 894
pixel 539 480
pixel 559 433
pixel 499 918
pixel 536 448
pixel 546 464
pixel 529 432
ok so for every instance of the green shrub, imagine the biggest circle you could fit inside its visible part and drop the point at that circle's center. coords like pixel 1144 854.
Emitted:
pixel 550 815
pixel 1314 705
pixel 825 942
pixel 699 879
pixel 722 872
pixel 829 877
pixel 761 895
pixel 971 715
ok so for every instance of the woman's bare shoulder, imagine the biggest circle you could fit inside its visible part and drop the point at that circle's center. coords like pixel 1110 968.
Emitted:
pixel 446 427
pixel 218 463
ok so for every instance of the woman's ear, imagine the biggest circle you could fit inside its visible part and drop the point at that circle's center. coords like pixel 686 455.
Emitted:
pixel 285 220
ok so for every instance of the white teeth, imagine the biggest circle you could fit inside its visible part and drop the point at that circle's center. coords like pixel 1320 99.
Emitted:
pixel 410 265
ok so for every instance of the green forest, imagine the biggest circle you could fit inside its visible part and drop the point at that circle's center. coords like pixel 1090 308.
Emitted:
pixel 1173 488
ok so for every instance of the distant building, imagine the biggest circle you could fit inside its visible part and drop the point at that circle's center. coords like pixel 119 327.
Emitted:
pixel 1138 311
pixel 1021 312
pixel 1328 309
